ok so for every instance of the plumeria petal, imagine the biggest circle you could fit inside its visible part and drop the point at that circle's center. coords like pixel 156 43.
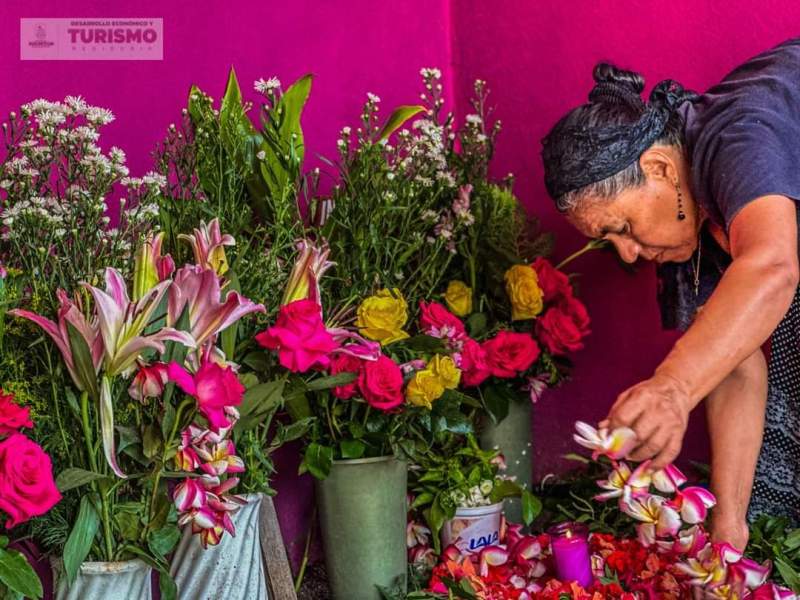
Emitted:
pixel 694 503
pixel 669 479
pixel 492 556
pixel 615 445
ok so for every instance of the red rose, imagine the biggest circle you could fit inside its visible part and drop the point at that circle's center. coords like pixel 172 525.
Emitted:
pixel 13 417
pixel 473 365
pixel 345 363
pixel 510 353
pixel 563 327
pixel 27 488
pixel 436 321
pixel 554 283
pixel 381 383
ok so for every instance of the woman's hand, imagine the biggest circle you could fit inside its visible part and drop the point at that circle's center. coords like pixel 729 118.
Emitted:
pixel 658 411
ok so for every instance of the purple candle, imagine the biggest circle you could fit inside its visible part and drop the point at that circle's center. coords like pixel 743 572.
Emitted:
pixel 570 545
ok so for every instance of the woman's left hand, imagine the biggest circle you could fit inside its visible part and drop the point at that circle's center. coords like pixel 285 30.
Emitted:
pixel 658 411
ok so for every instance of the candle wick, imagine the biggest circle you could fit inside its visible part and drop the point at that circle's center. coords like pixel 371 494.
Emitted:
pixel 569 533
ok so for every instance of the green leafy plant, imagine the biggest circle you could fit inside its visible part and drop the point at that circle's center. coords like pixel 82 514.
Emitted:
pixel 17 578
pixel 772 539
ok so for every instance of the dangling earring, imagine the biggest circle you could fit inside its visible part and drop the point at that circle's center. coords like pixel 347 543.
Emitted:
pixel 681 214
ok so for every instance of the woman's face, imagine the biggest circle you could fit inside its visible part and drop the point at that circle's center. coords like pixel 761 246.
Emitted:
pixel 643 222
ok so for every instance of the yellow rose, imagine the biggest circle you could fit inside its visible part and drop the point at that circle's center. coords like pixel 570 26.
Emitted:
pixel 447 371
pixel 425 387
pixel 459 298
pixel 381 317
pixel 522 287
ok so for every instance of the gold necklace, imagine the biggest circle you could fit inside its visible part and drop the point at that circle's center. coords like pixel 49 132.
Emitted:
pixel 696 264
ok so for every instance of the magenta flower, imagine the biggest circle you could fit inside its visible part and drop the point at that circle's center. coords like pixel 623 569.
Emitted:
pixel 214 387
pixel 300 337
pixel 198 290
pixel 13 417
pixel 190 493
pixel 693 504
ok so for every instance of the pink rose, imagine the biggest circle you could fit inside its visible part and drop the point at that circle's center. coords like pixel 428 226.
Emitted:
pixel 381 383
pixel 346 363
pixel 510 353
pixel 13 417
pixel 554 283
pixel 214 387
pixel 474 367
pixel 563 327
pixel 436 321
pixel 148 382
pixel 27 488
pixel 300 337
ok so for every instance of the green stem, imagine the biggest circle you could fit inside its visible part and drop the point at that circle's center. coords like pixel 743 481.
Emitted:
pixel 304 563
pixel 105 517
pixel 56 405
pixel 592 245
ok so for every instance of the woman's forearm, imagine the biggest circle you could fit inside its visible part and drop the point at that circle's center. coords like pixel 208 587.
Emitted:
pixel 749 302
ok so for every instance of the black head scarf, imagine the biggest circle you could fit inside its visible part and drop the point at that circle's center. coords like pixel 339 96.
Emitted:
pixel 575 157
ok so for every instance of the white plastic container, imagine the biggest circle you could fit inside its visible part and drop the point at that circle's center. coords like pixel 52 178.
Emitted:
pixel 473 528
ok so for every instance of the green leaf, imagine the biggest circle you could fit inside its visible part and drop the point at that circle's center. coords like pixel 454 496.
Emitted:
pixel 424 344
pixel 162 541
pixel 72 402
pixel 352 448
pixel 504 488
pixel 257 360
pixel 74 477
pixel 421 500
pixel 331 381
pixel 497 399
pixel 400 115
pixel 18 575
pixel 80 538
pixel 291 432
pixel 296 401
pixel 82 359
pixel 167 585
pixel 228 336
pixel 151 441
pixel 262 397
pixel 318 460
pixel 531 507
pixel 476 324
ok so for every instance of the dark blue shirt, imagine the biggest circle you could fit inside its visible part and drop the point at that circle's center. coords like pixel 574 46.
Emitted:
pixel 742 139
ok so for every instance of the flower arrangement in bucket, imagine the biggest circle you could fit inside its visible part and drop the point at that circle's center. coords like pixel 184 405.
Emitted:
pixel 671 557
pixel 155 401
pixel 459 490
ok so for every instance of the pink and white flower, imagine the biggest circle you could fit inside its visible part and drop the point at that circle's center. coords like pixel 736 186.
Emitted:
pixel 615 444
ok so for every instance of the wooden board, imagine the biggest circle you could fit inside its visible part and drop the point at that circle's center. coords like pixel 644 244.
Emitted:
pixel 276 564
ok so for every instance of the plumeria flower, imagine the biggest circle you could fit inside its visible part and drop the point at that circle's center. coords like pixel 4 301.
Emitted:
pixel 688 541
pixel 749 573
pixel 189 494
pixel 615 445
pixel 186 458
pixel 416 534
pixel 657 517
pixel 208 245
pixel 624 482
pixel 492 556
pixel 710 566
pixel 220 500
pixel 669 479
pixel 220 458
pixel 693 504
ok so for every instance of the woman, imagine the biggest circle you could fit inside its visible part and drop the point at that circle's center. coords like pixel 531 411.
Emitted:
pixel 707 184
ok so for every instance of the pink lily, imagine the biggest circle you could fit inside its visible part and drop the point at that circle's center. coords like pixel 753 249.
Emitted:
pixel 69 313
pixel 190 493
pixel 197 289
pixel 208 245
pixel 150 267
pixel 123 322
pixel 492 556
pixel 220 459
pixel 693 504
pixel 624 482
pixel 310 265
pixel 669 479
pixel 658 518
pixel 360 347
pixel 615 445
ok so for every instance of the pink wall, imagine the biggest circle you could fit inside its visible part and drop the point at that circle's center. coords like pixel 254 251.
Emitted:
pixel 536 56
pixel 538 59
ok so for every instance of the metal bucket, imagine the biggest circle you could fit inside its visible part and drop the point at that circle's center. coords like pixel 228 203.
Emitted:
pixel 233 569
pixel 106 581
pixel 362 508
pixel 513 436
